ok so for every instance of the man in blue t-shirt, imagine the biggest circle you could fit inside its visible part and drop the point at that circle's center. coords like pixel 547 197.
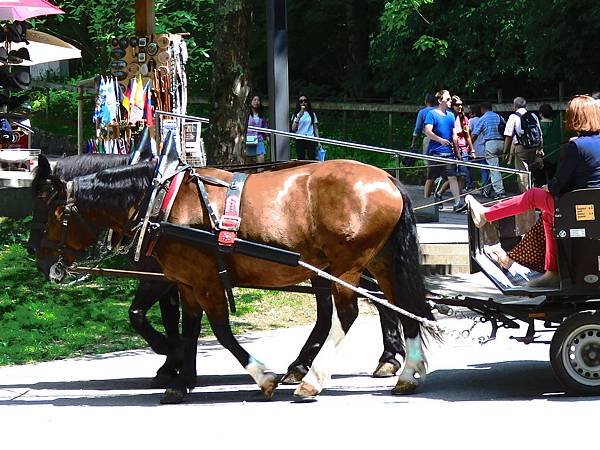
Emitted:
pixel 439 128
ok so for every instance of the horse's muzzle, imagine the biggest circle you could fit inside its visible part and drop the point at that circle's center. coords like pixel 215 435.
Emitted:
pixel 57 272
pixel 54 272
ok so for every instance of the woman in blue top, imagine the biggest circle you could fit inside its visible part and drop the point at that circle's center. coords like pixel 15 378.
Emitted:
pixel 304 122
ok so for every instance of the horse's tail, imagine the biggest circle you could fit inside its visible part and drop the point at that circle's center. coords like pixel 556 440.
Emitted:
pixel 408 280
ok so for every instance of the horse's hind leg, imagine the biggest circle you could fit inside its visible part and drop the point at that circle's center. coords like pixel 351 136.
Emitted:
pixel 410 298
pixel 393 342
pixel 299 368
pixel 343 316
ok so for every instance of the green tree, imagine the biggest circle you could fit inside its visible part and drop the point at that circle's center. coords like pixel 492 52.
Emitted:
pixel 474 47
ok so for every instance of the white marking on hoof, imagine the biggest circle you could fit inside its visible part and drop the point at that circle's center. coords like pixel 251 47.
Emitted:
pixel 414 371
pixel 264 378
pixel 320 370
pixel 306 392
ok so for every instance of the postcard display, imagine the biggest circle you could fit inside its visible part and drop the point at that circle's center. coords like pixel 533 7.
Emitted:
pixel 147 73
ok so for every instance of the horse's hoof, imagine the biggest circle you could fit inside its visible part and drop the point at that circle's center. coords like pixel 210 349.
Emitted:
pixel 162 381
pixel 294 376
pixel 305 392
pixel 268 384
pixel 404 387
pixel 172 397
pixel 385 370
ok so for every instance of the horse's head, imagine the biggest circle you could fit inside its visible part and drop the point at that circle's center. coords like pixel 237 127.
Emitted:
pixel 59 232
pixel 45 188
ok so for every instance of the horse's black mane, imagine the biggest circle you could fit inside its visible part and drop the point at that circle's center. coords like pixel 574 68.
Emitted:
pixel 116 188
pixel 75 166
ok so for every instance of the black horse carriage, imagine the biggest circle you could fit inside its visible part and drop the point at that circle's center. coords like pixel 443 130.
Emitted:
pixel 571 311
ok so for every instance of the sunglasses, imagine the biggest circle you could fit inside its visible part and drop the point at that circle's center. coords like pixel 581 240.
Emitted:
pixel 303 100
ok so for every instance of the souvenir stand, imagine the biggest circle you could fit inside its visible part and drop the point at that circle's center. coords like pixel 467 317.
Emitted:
pixel 147 74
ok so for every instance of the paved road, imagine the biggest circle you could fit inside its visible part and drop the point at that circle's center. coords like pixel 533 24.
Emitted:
pixel 497 395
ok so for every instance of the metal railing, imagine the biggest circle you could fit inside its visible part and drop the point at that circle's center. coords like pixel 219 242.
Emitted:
pixel 372 148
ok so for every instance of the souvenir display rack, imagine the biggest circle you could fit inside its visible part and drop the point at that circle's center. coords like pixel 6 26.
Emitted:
pixel 147 73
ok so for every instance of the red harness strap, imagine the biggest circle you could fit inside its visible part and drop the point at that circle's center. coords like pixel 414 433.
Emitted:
pixel 167 203
pixel 229 223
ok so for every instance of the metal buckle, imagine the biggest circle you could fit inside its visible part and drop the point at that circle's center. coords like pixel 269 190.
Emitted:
pixel 229 223
pixel 226 238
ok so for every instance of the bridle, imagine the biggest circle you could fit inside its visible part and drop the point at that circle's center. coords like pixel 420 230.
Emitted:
pixel 59 269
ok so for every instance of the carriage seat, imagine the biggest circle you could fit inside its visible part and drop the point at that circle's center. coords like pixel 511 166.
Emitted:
pixel 577 229
pixel 577 214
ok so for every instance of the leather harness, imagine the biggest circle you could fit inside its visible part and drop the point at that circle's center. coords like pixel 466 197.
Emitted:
pixel 226 228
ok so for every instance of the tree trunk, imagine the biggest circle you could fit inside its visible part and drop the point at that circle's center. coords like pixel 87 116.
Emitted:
pixel 357 72
pixel 230 84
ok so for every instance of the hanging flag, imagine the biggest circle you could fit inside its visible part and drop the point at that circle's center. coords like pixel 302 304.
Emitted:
pixel 126 102
pixel 148 110
pixel 137 101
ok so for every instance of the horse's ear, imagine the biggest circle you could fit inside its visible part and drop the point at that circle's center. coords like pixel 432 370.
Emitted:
pixel 43 170
pixel 143 148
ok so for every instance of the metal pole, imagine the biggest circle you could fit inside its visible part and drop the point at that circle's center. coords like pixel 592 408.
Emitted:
pixel 277 67
pixel 80 120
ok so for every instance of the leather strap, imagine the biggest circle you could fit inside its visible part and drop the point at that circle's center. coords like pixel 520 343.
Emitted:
pixel 229 224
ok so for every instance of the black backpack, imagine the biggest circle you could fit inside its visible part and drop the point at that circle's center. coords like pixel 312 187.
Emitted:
pixel 501 125
pixel 532 134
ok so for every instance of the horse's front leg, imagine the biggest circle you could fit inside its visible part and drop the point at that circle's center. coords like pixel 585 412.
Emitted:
pixel 169 310
pixel 148 293
pixel 185 381
pixel 264 378
pixel 302 363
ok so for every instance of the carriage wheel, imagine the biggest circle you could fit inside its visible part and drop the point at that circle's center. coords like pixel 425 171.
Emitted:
pixel 575 353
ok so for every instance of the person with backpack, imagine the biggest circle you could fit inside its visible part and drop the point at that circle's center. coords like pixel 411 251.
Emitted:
pixel 490 127
pixel 523 140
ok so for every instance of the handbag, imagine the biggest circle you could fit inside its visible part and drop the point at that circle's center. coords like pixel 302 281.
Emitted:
pixel 252 139
pixel 321 151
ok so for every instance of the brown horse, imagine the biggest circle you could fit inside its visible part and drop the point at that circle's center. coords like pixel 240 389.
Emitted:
pixel 343 215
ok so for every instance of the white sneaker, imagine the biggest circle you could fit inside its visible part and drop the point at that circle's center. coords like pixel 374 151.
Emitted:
pixel 477 211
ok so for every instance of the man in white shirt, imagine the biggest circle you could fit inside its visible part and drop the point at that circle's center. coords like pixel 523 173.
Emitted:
pixel 527 157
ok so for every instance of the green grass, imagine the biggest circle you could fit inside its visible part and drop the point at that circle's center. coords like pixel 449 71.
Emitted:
pixel 41 321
